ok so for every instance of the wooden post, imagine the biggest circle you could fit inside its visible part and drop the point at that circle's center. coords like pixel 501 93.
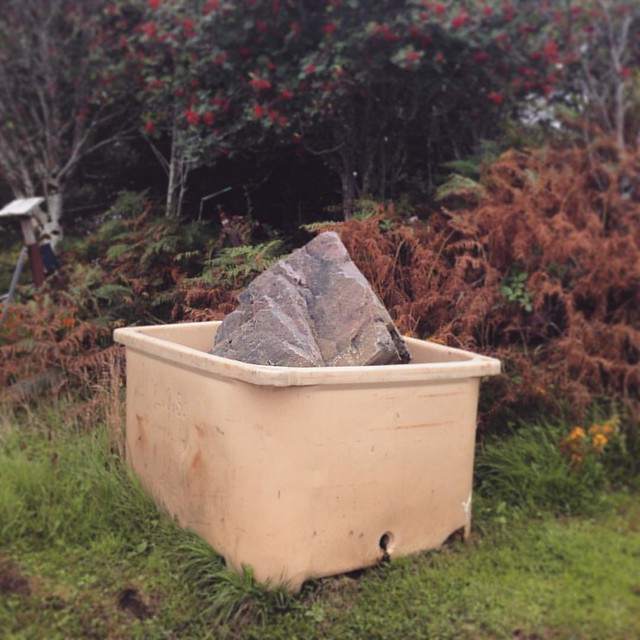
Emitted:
pixel 35 261
pixel 21 209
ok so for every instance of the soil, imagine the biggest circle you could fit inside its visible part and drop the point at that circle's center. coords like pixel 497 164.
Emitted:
pixel 129 599
pixel 11 580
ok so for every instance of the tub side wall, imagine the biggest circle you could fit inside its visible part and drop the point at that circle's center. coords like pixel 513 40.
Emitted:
pixel 177 423
pixel 302 482
pixel 350 465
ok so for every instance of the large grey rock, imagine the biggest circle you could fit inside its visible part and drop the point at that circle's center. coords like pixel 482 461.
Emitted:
pixel 311 309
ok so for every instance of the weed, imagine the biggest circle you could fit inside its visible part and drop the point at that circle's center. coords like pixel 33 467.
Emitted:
pixel 459 186
pixel 225 597
pixel 581 444
pixel 514 289
pixel 55 490
pixel 85 553
pixel 527 471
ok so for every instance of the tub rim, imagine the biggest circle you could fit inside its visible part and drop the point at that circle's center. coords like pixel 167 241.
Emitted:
pixel 468 364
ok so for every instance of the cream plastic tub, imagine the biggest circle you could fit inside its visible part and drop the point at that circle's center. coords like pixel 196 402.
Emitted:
pixel 303 472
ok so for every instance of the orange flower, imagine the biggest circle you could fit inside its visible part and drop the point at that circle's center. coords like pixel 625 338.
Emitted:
pixel 599 442
pixel 577 433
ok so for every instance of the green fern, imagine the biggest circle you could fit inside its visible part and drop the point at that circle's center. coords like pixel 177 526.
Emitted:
pixel 467 167
pixel 187 257
pixel 460 186
pixel 167 245
pixel 117 251
pixel 83 278
pixel 110 230
pixel 361 209
pixel 314 227
pixel 112 293
pixel 236 265
pixel 129 204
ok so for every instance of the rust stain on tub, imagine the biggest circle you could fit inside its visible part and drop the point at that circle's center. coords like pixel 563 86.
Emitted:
pixel 425 425
pixel 142 436
pixel 422 425
pixel 440 394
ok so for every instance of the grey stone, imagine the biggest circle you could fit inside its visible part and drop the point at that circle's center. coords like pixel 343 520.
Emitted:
pixel 311 309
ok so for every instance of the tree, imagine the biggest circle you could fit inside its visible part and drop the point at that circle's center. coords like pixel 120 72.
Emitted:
pixel 386 90
pixel 383 91
pixel 185 84
pixel 60 95
pixel 602 62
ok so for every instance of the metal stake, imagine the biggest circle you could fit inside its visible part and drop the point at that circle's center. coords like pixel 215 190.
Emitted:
pixel 22 258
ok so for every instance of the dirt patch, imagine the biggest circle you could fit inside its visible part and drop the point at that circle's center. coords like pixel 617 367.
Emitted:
pixel 527 635
pixel 12 580
pixel 130 599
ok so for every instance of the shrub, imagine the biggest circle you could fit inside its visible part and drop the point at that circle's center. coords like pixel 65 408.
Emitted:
pixel 138 268
pixel 527 471
pixel 544 273
pixel 381 91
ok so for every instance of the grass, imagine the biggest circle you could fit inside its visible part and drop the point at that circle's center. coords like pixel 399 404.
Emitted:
pixel 548 578
pixel 526 470
pixel 84 553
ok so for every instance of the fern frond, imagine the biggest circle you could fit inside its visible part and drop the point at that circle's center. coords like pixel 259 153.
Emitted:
pixel 116 251
pixel 319 227
pixel 461 187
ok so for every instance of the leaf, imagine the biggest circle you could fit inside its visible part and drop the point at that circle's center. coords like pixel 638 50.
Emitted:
pixel 460 186
pixel 116 251
pixel 112 292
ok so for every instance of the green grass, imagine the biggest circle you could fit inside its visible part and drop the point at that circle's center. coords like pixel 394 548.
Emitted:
pixel 84 553
pixel 569 579
pixel 526 470
pixel 10 246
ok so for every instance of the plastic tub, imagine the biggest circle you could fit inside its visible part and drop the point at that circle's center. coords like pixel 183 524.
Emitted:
pixel 303 472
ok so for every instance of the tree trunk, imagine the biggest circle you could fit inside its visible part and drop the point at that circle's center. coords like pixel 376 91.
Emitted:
pixel 49 221
pixel 52 229
pixel 178 171
pixel 349 192
pixel 173 176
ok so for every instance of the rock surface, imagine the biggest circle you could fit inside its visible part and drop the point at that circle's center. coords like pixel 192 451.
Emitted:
pixel 311 309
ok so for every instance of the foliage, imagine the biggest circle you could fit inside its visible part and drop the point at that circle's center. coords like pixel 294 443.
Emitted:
pixel 459 186
pixel 568 218
pixel 60 99
pixel 580 444
pixel 514 289
pixel 600 65
pixel 567 331
pixel 239 265
pixel 526 470
pixel 138 267
pixel 216 78
pixel 222 77
pixel 85 553
pixel 185 93
pixel 211 295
